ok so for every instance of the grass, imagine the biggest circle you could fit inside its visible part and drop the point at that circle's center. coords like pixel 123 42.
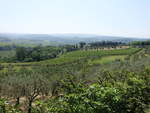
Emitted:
pixel 19 44
pixel 8 53
pixel 108 59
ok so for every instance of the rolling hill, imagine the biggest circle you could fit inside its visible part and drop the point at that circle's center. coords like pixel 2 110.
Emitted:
pixel 60 39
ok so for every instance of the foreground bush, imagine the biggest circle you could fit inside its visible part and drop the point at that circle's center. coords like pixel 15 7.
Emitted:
pixel 130 96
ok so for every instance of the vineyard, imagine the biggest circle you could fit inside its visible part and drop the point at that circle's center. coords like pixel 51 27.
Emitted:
pixel 79 81
pixel 74 56
pixel 80 56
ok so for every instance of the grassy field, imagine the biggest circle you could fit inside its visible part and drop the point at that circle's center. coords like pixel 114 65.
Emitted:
pixel 108 59
pixel 9 53
pixel 21 44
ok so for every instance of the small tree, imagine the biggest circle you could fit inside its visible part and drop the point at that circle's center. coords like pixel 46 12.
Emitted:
pixel 20 53
pixel 28 84
pixel 34 85
pixel 82 44
pixel 11 87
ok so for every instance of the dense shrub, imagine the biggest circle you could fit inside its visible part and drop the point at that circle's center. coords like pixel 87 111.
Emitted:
pixel 131 96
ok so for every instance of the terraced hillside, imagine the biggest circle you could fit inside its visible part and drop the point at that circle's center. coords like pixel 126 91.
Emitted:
pixel 78 57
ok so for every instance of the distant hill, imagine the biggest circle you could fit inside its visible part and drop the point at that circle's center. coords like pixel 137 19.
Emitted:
pixel 60 39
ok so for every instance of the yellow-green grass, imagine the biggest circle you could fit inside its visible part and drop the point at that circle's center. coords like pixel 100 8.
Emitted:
pixel 7 53
pixel 108 59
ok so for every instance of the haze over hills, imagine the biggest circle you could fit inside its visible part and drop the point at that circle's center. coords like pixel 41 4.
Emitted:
pixel 60 39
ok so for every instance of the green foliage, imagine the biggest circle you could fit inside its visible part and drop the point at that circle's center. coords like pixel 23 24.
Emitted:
pixel 25 83
pixel 141 43
pixel 89 54
pixel 7 55
pixel 108 59
pixel 106 97
pixel 105 44
pixel 6 108
pixel 36 53
pixel 68 84
pixel 130 96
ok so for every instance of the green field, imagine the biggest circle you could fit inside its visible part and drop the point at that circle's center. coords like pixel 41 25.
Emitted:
pixel 9 53
pixel 86 55
pixel 81 55
pixel 108 59
pixel 75 60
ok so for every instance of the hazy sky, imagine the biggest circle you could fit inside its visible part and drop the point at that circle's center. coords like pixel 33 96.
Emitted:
pixel 103 17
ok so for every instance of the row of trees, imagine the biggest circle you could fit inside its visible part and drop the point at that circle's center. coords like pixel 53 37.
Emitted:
pixel 101 44
pixel 141 43
pixel 42 53
pixel 106 44
pixel 36 53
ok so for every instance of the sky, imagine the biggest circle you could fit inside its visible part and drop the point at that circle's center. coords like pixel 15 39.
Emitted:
pixel 130 18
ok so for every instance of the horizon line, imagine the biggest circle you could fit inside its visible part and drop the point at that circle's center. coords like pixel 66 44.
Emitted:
pixel 74 34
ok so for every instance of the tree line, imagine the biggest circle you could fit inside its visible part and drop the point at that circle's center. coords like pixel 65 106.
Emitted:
pixel 141 43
